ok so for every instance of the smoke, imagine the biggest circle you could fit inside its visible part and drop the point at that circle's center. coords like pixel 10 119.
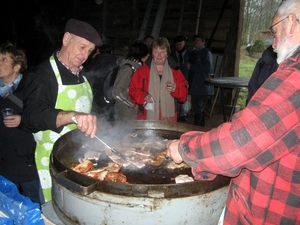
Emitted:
pixel 121 135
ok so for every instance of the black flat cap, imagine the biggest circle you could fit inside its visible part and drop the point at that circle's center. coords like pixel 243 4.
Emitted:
pixel 84 30
pixel 179 38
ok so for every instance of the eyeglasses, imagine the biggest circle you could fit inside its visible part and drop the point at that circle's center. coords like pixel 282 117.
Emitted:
pixel 270 28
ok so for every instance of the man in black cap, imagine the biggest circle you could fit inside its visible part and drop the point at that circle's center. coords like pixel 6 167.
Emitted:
pixel 57 96
pixel 180 53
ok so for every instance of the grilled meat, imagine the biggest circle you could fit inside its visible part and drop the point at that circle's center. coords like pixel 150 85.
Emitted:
pixel 115 177
pixel 83 167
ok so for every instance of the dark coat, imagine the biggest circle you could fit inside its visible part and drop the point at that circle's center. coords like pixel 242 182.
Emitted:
pixel 264 67
pixel 186 57
pixel 40 95
pixel 17 146
pixel 201 68
pixel 96 71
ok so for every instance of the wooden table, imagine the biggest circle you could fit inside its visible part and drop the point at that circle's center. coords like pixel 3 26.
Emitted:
pixel 232 83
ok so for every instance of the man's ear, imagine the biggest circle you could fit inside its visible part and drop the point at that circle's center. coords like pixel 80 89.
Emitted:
pixel 66 38
pixel 292 17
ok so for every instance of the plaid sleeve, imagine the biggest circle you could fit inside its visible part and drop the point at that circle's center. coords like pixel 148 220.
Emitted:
pixel 265 131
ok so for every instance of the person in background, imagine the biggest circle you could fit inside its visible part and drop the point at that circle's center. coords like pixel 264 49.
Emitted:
pixel 17 146
pixel 260 147
pixel 96 70
pixel 156 85
pixel 57 96
pixel 148 40
pixel 181 54
pixel 137 55
pixel 201 67
pixel 264 67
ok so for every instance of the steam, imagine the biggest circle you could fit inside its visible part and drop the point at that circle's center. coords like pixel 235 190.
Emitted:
pixel 113 134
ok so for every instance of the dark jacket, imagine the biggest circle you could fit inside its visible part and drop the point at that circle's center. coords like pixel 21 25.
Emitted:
pixel 186 57
pixel 17 146
pixel 264 67
pixel 201 67
pixel 40 95
pixel 96 71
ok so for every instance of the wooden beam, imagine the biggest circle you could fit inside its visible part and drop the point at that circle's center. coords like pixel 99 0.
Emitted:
pixel 217 24
pixel 198 16
pixel 181 16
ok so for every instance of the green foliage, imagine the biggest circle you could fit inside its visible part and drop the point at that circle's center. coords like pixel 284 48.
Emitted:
pixel 247 63
pixel 257 49
pixel 258 16
pixel 246 67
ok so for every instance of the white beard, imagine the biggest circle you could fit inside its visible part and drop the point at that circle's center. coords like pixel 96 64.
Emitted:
pixel 282 48
pixel 281 53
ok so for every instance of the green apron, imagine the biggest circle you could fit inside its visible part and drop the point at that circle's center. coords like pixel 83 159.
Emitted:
pixel 77 97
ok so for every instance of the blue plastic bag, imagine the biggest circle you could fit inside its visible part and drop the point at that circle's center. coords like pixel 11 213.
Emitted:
pixel 6 221
pixel 18 207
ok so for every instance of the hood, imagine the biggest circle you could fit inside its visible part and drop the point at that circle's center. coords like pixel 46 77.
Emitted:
pixel 122 61
pixel 172 63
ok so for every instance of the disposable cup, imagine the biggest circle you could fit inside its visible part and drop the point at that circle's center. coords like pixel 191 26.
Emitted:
pixel 7 112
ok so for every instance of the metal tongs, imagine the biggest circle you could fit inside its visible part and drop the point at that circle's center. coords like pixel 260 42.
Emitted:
pixel 115 151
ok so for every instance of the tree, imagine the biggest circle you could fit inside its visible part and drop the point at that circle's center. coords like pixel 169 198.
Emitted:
pixel 257 18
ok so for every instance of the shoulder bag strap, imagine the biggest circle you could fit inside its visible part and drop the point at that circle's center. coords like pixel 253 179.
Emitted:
pixel 16 100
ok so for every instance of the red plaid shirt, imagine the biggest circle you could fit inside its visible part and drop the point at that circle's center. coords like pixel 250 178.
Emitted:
pixel 259 149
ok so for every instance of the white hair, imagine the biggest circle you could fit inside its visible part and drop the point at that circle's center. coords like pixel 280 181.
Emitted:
pixel 288 6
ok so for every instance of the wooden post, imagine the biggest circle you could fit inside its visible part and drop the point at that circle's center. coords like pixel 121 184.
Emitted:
pixel 198 16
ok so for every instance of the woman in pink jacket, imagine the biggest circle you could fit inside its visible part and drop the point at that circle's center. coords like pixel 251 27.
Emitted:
pixel 157 84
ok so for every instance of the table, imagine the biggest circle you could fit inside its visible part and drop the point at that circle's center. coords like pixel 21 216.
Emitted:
pixel 229 82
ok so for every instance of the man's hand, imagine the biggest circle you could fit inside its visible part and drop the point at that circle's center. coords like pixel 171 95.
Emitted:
pixel 172 151
pixel 12 121
pixel 86 123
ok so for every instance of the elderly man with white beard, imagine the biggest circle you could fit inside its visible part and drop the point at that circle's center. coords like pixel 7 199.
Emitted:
pixel 260 148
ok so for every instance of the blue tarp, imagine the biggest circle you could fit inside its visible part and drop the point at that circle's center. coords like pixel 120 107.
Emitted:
pixel 20 209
